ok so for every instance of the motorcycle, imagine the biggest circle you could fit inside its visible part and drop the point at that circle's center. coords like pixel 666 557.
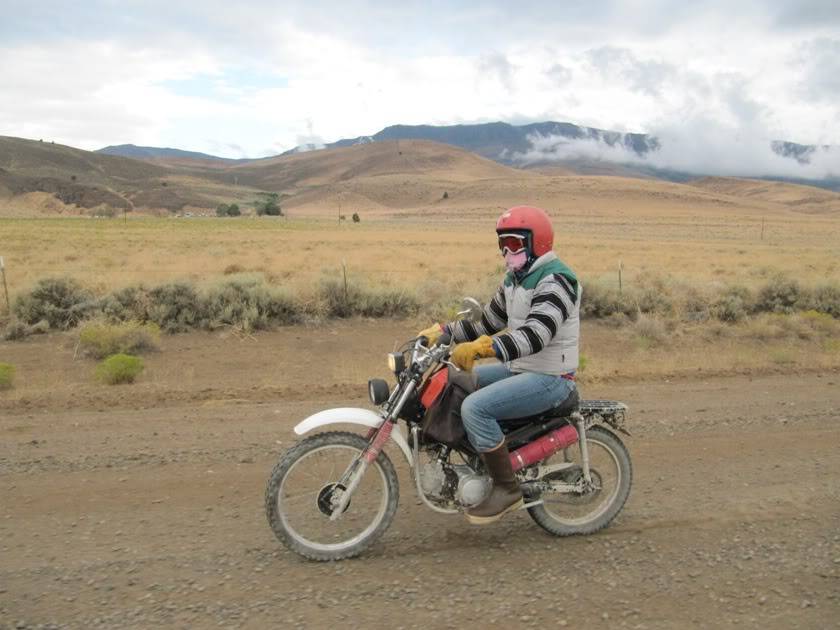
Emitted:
pixel 334 493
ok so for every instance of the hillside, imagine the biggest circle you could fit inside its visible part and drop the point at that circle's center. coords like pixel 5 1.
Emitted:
pixel 45 177
pixel 388 178
pixel 162 154
pixel 801 198
pixel 412 157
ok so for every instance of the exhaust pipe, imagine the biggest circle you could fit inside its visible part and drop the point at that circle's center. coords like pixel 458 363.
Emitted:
pixel 543 447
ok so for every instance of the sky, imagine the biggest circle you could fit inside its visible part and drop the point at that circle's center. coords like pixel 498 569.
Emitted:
pixel 255 78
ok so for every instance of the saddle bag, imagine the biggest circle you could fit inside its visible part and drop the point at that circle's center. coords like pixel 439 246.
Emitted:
pixel 442 397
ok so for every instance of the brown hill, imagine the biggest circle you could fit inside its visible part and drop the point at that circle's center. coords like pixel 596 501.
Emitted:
pixel 387 178
pixel 795 196
pixel 404 157
pixel 33 173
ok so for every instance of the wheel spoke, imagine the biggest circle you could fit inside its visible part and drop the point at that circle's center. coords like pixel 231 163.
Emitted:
pixel 302 501
pixel 573 511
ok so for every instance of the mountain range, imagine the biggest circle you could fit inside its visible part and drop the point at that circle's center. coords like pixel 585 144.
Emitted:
pixel 609 152
pixel 397 178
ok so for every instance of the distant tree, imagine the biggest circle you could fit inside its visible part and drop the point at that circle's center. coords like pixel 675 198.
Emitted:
pixel 356 218
pixel 233 210
pixel 72 178
pixel 269 205
pixel 445 195
pixel 341 217
pixel 222 210
pixel 164 184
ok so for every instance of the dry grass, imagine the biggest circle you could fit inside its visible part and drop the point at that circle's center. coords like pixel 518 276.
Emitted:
pixel 706 252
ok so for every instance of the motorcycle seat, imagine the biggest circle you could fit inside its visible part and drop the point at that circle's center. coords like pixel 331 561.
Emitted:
pixel 566 408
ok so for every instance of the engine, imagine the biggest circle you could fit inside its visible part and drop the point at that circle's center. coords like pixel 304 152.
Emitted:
pixel 457 482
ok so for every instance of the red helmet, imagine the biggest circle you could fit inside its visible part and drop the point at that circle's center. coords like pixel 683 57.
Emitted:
pixel 529 219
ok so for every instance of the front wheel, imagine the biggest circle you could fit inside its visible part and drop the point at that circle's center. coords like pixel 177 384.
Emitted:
pixel 589 511
pixel 302 492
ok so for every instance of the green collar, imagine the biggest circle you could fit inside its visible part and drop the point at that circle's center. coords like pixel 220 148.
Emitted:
pixel 546 265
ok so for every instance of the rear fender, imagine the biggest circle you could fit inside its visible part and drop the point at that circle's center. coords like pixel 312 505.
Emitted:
pixel 353 415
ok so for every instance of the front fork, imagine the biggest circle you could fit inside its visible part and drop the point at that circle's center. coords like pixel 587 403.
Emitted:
pixel 377 439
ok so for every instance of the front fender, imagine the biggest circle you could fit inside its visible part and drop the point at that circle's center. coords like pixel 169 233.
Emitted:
pixel 353 415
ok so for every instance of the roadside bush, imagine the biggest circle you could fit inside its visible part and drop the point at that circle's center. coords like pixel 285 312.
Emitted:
pixel 62 302
pixel 7 375
pixel 176 307
pixel 248 302
pixel 733 306
pixel 651 331
pixel 653 296
pixel 127 304
pixel 366 301
pixel 119 368
pixel 17 330
pixel 781 296
pixel 599 302
pixel 826 299
pixel 100 339
pixel 697 306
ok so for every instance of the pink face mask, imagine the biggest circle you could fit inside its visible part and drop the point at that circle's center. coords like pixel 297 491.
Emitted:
pixel 515 262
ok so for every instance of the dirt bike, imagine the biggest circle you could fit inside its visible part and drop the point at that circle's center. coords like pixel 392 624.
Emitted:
pixel 333 494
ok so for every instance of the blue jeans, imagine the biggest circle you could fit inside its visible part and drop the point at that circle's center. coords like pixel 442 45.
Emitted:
pixel 505 395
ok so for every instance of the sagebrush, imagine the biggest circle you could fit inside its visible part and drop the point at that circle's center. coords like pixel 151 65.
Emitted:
pixel 61 302
pixel 100 339
pixel 119 369
pixel 249 301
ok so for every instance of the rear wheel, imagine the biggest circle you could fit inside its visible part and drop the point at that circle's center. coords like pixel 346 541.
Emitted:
pixel 593 509
pixel 304 489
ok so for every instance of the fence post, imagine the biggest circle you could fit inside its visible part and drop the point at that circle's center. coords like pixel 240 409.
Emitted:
pixel 5 287
pixel 344 270
pixel 620 268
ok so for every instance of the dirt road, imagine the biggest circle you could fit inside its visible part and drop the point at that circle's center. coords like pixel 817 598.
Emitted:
pixel 154 517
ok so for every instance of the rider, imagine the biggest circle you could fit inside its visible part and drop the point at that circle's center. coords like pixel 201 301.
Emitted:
pixel 537 306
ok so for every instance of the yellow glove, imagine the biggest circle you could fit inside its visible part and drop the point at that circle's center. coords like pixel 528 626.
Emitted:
pixel 465 354
pixel 431 333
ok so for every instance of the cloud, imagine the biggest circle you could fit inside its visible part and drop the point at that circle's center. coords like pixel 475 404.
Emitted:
pixel 263 75
pixel 497 65
pixel 647 76
pixel 807 13
pixel 559 74
pixel 820 62
pixel 699 146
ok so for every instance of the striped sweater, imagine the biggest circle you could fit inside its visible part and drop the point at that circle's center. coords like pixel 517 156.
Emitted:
pixel 541 315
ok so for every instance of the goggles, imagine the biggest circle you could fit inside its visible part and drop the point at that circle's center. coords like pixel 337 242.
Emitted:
pixel 512 243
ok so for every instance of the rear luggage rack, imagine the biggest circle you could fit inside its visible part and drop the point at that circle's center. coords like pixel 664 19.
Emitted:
pixel 611 412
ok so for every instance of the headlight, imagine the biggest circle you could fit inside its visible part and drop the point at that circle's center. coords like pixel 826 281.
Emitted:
pixel 378 391
pixel 396 362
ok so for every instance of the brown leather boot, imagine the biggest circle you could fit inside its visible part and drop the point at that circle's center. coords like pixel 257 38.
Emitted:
pixel 505 496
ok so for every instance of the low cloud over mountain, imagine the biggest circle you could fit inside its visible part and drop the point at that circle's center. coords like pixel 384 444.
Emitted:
pixel 699 147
